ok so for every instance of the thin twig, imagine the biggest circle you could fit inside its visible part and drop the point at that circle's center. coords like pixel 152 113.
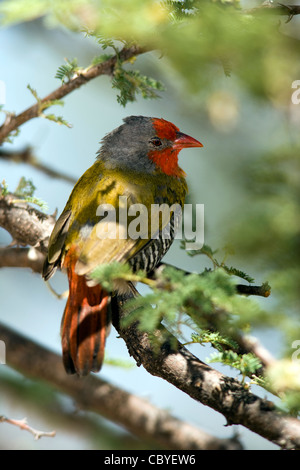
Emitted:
pixel 22 424
pixel 263 291
pixel 26 156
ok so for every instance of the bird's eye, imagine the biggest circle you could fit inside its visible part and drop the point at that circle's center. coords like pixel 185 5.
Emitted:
pixel 156 142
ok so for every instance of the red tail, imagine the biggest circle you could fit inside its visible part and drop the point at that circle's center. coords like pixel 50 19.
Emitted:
pixel 84 324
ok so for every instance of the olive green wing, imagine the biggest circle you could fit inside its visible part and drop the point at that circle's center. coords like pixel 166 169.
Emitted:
pixel 110 239
pixel 56 243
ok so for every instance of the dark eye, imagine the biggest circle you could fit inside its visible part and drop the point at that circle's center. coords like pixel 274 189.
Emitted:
pixel 156 142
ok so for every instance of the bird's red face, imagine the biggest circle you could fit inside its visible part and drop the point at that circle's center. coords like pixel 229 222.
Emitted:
pixel 166 146
pixel 147 145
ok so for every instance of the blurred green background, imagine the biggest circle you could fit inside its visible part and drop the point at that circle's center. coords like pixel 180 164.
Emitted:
pixel 247 176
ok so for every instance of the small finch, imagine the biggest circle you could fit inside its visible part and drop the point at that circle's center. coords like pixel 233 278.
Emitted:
pixel 137 161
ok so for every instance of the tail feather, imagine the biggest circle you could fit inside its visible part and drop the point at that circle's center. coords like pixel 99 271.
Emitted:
pixel 84 325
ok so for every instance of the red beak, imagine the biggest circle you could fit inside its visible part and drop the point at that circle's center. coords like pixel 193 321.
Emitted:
pixel 184 141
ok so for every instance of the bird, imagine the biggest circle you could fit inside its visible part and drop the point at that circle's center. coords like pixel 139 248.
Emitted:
pixel 137 163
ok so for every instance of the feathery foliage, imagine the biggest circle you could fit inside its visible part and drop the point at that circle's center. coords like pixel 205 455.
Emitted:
pixel 45 105
pixel 131 82
pixel 247 364
pixel 3 188
pixel 66 71
pixel 25 191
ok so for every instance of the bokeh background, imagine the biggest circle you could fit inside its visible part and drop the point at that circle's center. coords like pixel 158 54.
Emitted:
pixel 236 128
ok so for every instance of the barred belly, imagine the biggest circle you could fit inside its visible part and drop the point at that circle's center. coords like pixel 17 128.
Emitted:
pixel 147 258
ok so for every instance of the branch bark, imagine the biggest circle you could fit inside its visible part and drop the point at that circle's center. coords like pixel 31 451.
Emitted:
pixel 26 225
pixel 135 414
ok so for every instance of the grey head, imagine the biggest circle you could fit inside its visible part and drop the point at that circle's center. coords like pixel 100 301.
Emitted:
pixel 129 145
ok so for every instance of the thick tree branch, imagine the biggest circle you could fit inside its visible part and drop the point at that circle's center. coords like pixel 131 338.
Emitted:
pixel 91 393
pixel 13 122
pixel 26 225
pixel 206 385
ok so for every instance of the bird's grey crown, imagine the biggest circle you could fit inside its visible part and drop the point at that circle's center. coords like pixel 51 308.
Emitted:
pixel 137 119
pixel 128 145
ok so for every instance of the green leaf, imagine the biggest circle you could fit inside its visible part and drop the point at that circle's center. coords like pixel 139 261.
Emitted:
pixel 25 190
pixel 215 338
pixel 101 58
pixel 66 71
pixel 237 272
pixel 247 364
pixel 3 188
pixel 117 362
pixel 132 82
pixel 33 92
pixel 58 119
pixel 107 274
pixel 210 253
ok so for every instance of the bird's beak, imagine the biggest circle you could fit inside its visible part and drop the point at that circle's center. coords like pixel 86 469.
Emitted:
pixel 183 141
